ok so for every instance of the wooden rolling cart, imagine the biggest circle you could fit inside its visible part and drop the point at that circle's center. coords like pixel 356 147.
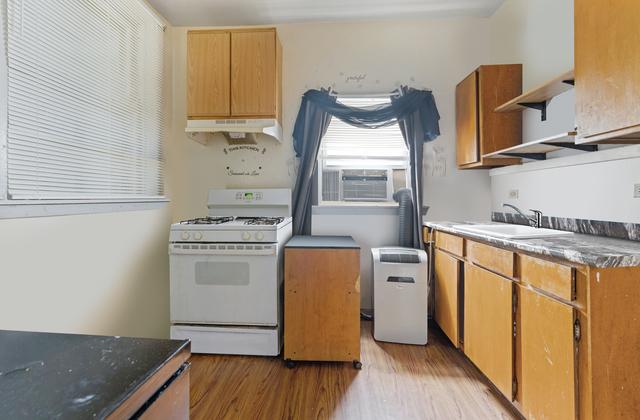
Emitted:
pixel 322 300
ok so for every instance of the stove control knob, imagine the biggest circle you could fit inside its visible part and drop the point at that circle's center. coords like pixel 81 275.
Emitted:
pixel 259 236
pixel 246 236
pixel 185 236
pixel 197 236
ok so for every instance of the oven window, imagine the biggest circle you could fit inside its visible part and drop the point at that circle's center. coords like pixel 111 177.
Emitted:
pixel 210 273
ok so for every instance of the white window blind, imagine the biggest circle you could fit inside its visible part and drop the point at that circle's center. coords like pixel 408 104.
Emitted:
pixel 84 106
pixel 344 142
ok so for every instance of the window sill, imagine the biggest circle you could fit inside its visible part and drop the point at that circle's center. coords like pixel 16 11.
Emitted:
pixel 357 208
pixel 33 208
pixel 385 204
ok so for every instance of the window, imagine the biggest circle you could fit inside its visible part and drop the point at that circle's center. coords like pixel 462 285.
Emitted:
pixel 81 103
pixel 359 164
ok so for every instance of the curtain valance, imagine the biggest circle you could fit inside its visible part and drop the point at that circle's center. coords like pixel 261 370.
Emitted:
pixel 406 103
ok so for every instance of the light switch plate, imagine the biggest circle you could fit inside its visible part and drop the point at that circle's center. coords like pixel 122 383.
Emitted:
pixel 636 191
pixel 513 194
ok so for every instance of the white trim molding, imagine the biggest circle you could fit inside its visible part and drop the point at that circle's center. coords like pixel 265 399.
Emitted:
pixel 14 210
pixel 4 93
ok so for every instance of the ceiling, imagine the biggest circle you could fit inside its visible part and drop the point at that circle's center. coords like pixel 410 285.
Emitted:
pixel 265 12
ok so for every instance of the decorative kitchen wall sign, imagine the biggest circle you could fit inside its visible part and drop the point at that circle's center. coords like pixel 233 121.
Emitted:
pixel 355 78
pixel 244 160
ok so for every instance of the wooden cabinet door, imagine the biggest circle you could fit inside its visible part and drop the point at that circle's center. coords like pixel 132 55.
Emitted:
pixel 498 84
pixel 447 281
pixel 607 66
pixel 467 149
pixel 488 325
pixel 322 304
pixel 253 73
pixel 208 74
pixel 547 357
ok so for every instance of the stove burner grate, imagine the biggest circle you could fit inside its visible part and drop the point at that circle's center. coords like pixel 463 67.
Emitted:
pixel 207 221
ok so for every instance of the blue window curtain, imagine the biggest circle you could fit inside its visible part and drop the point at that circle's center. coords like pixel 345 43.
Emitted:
pixel 416 114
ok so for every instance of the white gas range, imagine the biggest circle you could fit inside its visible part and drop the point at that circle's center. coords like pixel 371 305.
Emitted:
pixel 227 272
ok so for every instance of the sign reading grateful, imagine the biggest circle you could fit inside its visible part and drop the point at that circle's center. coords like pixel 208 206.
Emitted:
pixel 244 160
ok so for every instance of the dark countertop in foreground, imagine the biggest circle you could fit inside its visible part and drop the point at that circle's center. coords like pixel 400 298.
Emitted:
pixel 594 251
pixel 69 376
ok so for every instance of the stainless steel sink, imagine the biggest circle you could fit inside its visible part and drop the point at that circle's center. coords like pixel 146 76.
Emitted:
pixel 507 231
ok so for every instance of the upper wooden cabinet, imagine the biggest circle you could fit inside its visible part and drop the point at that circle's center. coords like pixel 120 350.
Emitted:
pixel 253 73
pixel 479 129
pixel 467 145
pixel 234 73
pixel 607 69
pixel 208 73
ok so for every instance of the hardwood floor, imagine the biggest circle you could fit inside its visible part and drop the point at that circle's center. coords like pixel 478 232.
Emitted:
pixel 396 382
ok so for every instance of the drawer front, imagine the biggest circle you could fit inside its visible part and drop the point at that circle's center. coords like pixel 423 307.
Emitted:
pixel 493 259
pixel 450 243
pixel 548 276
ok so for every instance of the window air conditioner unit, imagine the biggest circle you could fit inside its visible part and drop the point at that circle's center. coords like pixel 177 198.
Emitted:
pixel 364 184
pixel 331 185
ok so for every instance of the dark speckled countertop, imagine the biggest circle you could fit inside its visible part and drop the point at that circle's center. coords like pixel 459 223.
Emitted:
pixel 591 250
pixel 68 376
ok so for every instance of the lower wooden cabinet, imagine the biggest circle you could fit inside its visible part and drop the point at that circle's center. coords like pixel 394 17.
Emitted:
pixel 546 357
pixel 447 286
pixel 557 339
pixel 172 402
pixel 488 325
pixel 322 299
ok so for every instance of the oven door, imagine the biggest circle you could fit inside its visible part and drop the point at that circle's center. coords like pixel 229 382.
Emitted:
pixel 235 284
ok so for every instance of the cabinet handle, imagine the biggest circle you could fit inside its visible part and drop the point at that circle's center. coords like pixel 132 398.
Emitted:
pixel 577 333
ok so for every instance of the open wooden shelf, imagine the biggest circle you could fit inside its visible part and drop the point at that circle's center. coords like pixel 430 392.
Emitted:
pixel 538 149
pixel 539 97
pixel 629 135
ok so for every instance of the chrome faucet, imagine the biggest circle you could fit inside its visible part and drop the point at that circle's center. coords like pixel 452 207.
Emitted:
pixel 535 220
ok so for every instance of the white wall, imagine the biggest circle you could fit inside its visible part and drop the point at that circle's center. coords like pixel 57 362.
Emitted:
pixel 370 227
pixel 596 186
pixel 538 34
pixel 436 54
pixel 94 274
pixel 576 187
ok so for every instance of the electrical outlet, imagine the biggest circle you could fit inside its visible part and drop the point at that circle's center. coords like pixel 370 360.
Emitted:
pixel 513 194
pixel 636 191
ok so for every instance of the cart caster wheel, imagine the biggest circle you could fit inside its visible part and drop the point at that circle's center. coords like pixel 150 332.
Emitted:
pixel 290 364
pixel 357 365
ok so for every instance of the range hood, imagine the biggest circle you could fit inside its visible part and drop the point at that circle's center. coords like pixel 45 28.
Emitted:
pixel 236 131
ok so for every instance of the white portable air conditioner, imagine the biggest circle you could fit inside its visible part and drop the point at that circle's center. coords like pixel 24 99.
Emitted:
pixel 400 291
